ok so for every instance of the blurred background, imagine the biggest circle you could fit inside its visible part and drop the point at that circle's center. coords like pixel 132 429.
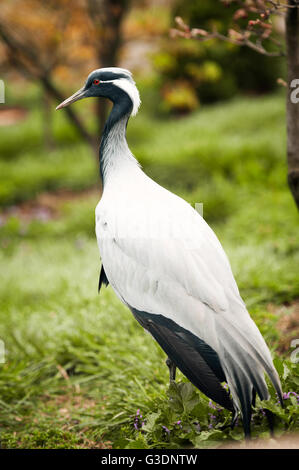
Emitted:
pixel 211 128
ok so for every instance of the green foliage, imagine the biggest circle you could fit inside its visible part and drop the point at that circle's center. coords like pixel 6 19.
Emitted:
pixel 33 172
pixel 212 70
pixel 53 438
pixel 180 97
pixel 188 419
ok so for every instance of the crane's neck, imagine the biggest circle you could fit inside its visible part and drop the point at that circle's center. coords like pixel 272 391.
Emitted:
pixel 114 151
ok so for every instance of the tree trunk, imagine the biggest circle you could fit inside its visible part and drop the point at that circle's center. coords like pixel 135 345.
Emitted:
pixel 292 40
pixel 107 17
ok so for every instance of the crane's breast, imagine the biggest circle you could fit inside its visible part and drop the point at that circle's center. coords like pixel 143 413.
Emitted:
pixel 154 258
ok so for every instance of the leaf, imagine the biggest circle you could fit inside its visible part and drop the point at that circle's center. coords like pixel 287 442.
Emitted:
pixel 139 443
pixel 276 409
pixel 151 420
pixel 294 401
pixel 175 397
pixel 295 380
pixel 189 396
pixel 278 365
pixel 286 372
pixel 211 436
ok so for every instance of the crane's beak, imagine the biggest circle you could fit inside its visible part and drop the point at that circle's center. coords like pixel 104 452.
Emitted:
pixel 75 97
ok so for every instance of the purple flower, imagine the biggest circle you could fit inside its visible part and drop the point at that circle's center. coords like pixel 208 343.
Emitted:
pixel 286 396
pixel 166 429
pixel 137 420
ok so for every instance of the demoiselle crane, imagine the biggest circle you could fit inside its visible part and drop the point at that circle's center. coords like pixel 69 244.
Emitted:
pixel 167 266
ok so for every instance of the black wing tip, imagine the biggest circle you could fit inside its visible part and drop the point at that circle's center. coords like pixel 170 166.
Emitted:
pixel 191 359
pixel 102 279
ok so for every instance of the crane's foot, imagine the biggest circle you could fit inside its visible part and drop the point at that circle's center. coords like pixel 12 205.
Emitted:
pixel 172 369
pixel 247 433
pixel 233 422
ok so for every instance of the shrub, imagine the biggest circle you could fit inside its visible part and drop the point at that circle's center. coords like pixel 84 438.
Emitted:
pixel 212 70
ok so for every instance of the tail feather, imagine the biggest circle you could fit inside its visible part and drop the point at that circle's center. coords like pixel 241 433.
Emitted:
pixel 245 359
pixel 260 352
pixel 246 362
pixel 244 394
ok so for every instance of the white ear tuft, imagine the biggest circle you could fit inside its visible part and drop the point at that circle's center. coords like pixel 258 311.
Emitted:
pixel 130 88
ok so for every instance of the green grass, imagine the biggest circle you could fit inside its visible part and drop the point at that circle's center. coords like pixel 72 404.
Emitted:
pixel 78 366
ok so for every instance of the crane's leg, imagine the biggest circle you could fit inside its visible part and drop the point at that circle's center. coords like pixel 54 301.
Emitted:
pixel 233 421
pixel 253 398
pixel 270 419
pixel 172 369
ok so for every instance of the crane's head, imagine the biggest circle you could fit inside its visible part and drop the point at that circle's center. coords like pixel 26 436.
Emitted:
pixel 113 83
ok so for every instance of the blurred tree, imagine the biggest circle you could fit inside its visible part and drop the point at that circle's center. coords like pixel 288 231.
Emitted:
pixel 252 26
pixel 107 17
pixel 62 40
pixel 35 42
pixel 211 70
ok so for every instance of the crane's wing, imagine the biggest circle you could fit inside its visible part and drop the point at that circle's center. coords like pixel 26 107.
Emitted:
pixel 163 260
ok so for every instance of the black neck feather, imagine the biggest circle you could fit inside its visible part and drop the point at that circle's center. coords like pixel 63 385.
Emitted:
pixel 120 113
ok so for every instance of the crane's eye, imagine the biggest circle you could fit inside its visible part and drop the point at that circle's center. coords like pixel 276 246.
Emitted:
pixel 96 81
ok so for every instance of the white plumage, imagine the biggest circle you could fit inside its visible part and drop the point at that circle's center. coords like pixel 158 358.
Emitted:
pixel 167 265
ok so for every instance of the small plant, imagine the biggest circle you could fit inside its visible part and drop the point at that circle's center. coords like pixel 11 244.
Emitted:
pixel 186 418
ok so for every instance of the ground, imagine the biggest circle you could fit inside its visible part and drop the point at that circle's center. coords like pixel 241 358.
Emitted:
pixel 79 371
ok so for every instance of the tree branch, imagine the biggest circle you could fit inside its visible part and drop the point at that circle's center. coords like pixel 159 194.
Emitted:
pixel 235 37
pixel 32 67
